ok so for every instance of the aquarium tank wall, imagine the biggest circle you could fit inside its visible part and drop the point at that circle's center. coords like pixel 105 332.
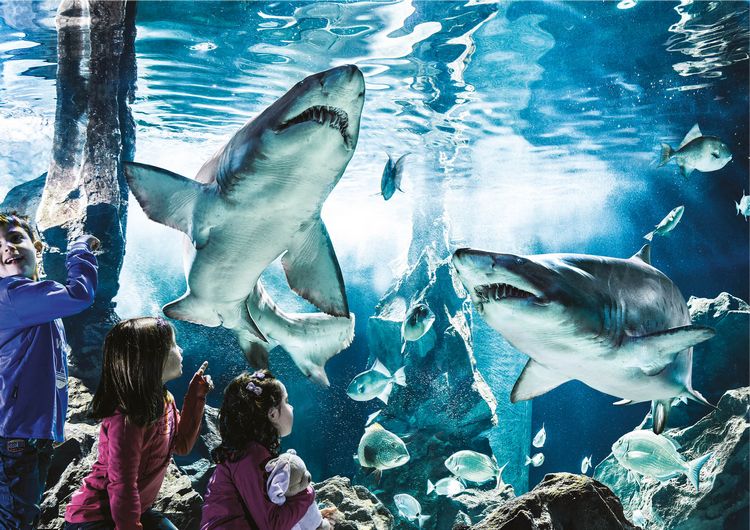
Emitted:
pixel 509 215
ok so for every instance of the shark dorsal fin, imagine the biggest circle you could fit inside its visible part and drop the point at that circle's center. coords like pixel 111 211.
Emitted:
pixel 692 134
pixel 644 254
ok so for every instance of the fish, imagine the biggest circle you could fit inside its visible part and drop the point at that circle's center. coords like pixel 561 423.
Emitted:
pixel 381 449
pixel 540 438
pixel 392 174
pixel 475 467
pixel 586 464
pixel 667 224
pixel 704 153
pixel 536 460
pixel 409 508
pixel 618 325
pixel 447 487
pixel 377 382
pixel 652 455
pixel 418 321
pixel 259 197
pixel 743 207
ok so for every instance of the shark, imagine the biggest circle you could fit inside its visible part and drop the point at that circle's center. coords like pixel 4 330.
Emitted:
pixel 620 326
pixel 257 199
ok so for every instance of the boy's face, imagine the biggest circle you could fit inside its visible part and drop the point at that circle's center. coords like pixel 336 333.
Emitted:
pixel 18 253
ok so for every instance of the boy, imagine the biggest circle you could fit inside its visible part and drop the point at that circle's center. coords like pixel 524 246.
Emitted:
pixel 33 362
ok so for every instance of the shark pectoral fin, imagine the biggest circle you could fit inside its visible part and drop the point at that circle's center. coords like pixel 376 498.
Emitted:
pixel 535 380
pixel 313 271
pixel 166 197
pixel 657 350
pixel 192 309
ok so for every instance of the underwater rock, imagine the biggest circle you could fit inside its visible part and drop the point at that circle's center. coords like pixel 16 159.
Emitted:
pixel 84 191
pixel 446 405
pixel 722 362
pixel 723 499
pixel 72 461
pixel 358 509
pixel 200 470
pixel 561 500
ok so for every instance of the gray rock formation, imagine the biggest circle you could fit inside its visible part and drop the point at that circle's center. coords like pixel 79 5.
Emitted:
pixel 447 406
pixel 84 190
pixel 73 459
pixel 722 501
pixel 561 500
pixel 356 507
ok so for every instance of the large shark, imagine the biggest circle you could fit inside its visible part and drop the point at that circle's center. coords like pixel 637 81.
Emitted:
pixel 618 325
pixel 259 197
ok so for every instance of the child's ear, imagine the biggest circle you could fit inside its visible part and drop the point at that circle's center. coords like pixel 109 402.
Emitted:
pixel 273 413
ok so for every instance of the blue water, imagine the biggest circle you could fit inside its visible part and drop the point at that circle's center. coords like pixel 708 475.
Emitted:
pixel 533 127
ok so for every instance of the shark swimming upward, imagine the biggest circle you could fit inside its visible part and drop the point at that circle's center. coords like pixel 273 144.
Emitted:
pixel 259 197
pixel 618 325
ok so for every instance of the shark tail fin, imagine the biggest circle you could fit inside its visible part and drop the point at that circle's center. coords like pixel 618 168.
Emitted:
pixel 666 154
pixel 659 414
pixel 399 377
pixel 694 469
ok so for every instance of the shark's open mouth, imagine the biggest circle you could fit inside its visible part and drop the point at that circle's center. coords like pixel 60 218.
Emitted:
pixel 334 117
pixel 501 291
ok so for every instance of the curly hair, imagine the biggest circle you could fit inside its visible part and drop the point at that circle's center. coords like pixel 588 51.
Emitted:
pixel 243 417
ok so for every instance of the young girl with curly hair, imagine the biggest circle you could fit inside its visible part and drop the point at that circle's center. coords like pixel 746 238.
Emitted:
pixel 254 416
pixel 141 428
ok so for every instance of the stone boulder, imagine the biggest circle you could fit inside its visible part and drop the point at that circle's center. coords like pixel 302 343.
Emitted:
pixel 561 500
pixel 357 508
pixel 722 501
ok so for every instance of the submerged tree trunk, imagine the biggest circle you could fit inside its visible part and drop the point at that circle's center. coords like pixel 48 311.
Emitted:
pixel 85 190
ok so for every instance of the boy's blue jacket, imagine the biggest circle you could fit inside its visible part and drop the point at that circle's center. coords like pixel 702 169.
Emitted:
pixel 33 350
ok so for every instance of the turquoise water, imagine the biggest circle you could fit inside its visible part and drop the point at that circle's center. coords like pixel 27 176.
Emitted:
pixel 533 127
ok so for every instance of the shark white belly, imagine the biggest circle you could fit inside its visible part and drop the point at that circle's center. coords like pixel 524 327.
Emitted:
pixel 618 325
pixel 259 197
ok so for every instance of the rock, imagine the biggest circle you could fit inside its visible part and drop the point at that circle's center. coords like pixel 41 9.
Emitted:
pixel 475 504
pixel 198 465
pixel 446 405
pixel 723 499
pixel 357 508
pixel 561 500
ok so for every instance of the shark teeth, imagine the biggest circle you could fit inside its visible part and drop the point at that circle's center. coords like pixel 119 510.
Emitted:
pixel 500 291
pixel 334 117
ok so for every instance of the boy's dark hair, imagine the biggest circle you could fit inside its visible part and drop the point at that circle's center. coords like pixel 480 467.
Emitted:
pixel 8 219
pixel 135 351
pixel 243 417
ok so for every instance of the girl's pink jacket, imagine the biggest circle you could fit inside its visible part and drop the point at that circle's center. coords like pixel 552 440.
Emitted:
pixel 237 489
pixel 126 477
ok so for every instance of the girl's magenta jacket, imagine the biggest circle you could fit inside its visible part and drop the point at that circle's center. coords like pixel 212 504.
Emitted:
pixel 126 477
pixel 239 488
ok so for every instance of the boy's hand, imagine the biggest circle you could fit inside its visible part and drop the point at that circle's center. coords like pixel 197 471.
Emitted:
pixel 92 242
pixel 201 384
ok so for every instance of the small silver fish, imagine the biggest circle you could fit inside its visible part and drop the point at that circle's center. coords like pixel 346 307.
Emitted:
pixel 418 321
pixel 391 179
pixel 656 456
pixel 447 487
pixel 667 224
pixel 377 382
pixel 409 508
pixel 536 460
pixel 475 467
pixel 743 207
pixel 381 449
pixel 704 153
pixel 540 438
pixel 586 464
